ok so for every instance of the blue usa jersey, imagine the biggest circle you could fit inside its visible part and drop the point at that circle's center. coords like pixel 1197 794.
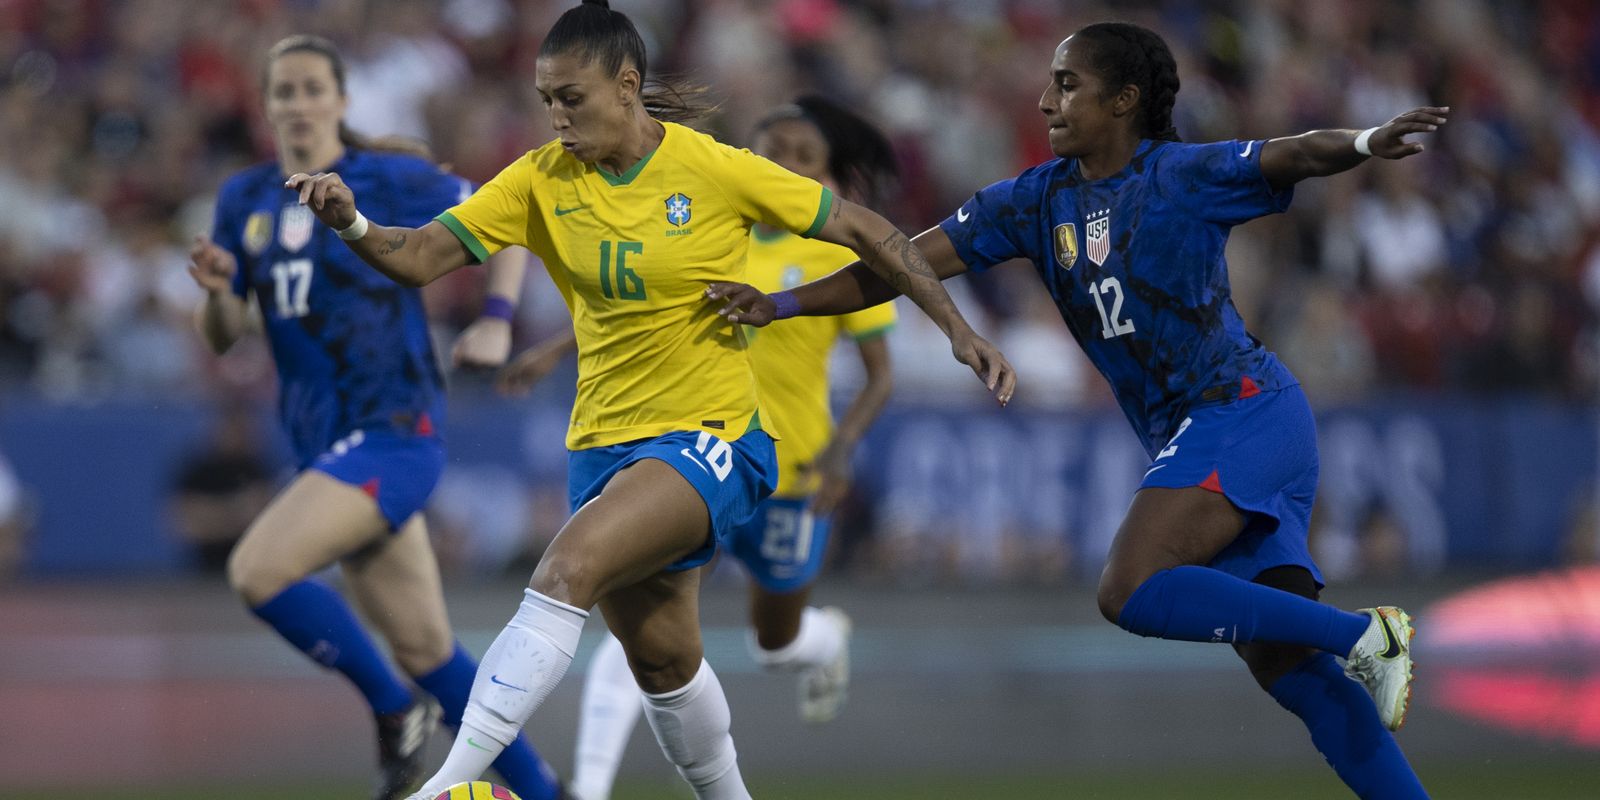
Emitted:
pixel 351 346
pixel 1135 263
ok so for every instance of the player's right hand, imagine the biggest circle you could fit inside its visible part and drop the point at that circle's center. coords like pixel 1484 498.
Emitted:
pixel 326 194
pixel 530 366
pixel 211 266
pixel 743 304
pixel 987 361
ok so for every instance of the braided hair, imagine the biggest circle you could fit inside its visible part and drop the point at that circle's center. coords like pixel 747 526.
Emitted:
pixel 1123 54
pixel 594 31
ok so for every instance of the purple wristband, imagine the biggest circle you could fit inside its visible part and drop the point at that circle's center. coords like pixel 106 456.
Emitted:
pixel 498 307
pixel 787 305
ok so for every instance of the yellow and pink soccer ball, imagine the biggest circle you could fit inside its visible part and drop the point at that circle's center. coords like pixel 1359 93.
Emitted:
pixel 477 790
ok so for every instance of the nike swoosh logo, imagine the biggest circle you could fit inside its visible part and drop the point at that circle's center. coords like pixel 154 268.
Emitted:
pixel 1391 642
pixel 496 679
pixel 961 215
pixel 694 461
pixel 1246 154
pixel 561 212
pixel 479 746
pixel 1153 469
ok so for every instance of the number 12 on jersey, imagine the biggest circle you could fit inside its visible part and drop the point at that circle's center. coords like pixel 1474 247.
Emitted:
pixel 629 286
pixel 1111 327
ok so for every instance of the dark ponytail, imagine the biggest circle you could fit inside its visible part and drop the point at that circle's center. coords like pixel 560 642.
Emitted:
pixel 1124 53
pixel 860 157
pixel 306 43
pixel 594 32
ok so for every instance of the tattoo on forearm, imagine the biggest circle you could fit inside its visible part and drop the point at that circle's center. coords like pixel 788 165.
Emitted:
pixel 392 244
pixel 916 280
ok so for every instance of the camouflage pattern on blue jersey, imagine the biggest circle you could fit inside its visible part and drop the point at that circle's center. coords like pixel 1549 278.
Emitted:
pixel 351 346
pixel 1135 264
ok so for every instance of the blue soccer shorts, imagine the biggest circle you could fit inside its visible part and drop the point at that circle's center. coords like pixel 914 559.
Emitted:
pixel 731 477
pixel 396 470
pixel 782 544
pixel 1261 453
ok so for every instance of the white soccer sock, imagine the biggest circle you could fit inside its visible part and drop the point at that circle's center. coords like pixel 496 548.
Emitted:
pixel 525 662
pixel 818 643
pixel 692 726
pixel 611 706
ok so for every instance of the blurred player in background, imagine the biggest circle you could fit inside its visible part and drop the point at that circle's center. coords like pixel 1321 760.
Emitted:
pixel 633 215
pixel 784 543
pixel 1127 229
pixel 362 399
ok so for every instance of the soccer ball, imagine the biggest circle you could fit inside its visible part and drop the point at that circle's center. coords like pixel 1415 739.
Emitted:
pixel 477 790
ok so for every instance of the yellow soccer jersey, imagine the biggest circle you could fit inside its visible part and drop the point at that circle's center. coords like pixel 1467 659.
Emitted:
pixel 791 356
pixel 632 255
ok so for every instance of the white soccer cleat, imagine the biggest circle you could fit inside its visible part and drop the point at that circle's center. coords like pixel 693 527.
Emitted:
pixel 1381 661
pixel 823 688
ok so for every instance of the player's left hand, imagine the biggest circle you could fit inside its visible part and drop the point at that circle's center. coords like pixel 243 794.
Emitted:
pixel 1388 141
pixel 484 343
pixel 834 476
pixel 987 361
pixel 743 304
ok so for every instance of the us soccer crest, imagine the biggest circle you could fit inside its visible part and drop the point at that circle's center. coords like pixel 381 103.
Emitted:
pixel 1098 231
pixel 257 232
pixel 295 223
pixel 678 209
pixel 1066 245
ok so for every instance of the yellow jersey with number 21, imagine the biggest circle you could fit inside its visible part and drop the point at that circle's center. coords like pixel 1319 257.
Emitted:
pixel 631 255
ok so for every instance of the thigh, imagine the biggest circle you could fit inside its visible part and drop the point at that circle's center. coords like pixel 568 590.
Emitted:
pixel 396 583
pixel 1168 528
pixel 1269 661
pixel 312 523
pixel 658 622
pixel 647 517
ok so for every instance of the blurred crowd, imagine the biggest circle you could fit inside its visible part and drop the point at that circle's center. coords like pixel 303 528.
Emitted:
pixel 1476 266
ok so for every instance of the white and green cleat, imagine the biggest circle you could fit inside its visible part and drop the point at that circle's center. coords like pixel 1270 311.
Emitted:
pixel 824 688
pixel 1381 661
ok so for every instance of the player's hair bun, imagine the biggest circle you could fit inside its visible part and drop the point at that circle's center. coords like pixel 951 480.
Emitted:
pixel 605 4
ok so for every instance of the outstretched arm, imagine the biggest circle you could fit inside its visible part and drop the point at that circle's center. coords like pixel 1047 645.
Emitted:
pixel 851 288
pixel 1288 160
pixel 409 256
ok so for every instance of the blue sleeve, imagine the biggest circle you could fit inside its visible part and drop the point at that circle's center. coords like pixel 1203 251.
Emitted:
pixel 993 226
pixel 421 191
pixel 227 230
pixel 1221 182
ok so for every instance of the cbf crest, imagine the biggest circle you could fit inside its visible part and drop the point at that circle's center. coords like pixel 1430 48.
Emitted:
pixel 1066 245
pixel 257 232
pixel 1098 231
pixel 678 209
pixel 295 224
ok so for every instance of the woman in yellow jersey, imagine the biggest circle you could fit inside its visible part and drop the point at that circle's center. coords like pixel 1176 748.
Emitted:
pixel 784 542
pixel 634 216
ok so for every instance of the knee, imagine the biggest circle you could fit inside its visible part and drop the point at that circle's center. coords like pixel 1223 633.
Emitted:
pixel 254 579
pixel 661 672
pixel 564 576
pixel 423 649
pixel 1118 583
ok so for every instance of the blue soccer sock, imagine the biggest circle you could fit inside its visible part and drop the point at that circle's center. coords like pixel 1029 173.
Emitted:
pixel 314 618
pixel 1199 604
pixel 1345 728
pixel 524 772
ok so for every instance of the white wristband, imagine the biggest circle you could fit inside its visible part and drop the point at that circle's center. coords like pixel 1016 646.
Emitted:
pixel 1362 146
pixel 358 229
